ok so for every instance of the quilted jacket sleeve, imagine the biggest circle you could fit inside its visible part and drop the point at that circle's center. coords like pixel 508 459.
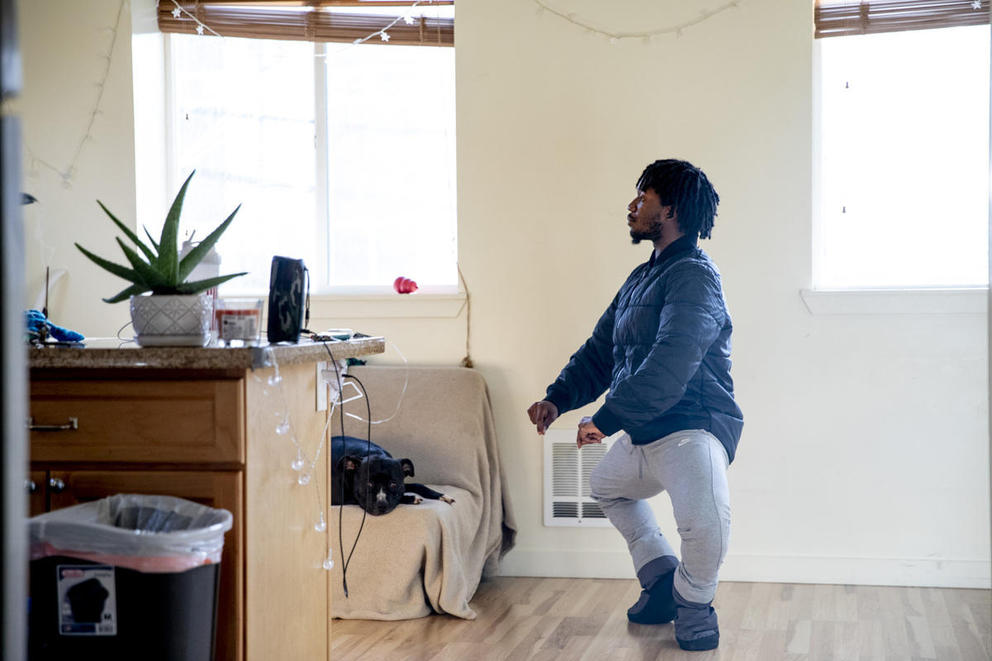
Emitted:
pixel 691 319
pixel 588 371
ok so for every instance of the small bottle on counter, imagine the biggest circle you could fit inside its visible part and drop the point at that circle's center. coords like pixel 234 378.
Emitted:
pixel 209 267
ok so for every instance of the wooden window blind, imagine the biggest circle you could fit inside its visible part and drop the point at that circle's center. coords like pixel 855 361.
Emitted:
pixel 837 18
pixel 309 20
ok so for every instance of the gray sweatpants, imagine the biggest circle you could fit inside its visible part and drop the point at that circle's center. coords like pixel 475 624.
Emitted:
pixel 692 467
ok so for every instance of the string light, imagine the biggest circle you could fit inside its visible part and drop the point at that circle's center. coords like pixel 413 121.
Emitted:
pixel 67 174
pixel 383 34
pixel 406 17
pixel 200 25
pixel 304 466
pixel 645 36
pixel 298 463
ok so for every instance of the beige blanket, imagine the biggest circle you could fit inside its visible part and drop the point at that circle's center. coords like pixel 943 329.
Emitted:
pixel 430 556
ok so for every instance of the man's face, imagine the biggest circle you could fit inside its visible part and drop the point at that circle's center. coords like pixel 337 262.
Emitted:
pixel 645 215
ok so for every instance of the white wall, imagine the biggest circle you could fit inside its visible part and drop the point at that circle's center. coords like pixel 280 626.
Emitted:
pixel 64 46
pixel 865 451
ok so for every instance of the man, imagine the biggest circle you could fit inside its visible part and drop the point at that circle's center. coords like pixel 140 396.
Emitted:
pixel 663 350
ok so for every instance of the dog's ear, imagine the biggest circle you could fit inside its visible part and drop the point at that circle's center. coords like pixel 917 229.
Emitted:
pixel 349 463
pixel 407 467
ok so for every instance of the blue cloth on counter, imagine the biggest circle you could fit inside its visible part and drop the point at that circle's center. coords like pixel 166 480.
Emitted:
pixel 39 327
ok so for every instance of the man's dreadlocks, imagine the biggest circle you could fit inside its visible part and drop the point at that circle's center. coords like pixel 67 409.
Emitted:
pixel 686 189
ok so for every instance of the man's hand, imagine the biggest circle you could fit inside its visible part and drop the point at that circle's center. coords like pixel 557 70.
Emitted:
pixel 542 414
pixel 588 433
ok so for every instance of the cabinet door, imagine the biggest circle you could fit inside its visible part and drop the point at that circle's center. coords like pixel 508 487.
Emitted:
pixel 221 489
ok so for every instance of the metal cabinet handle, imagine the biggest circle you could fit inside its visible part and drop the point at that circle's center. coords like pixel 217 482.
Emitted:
pixel 57 485
pixel 31 485
pixel 72 425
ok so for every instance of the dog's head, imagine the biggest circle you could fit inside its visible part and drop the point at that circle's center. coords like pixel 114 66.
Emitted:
pixel 376 481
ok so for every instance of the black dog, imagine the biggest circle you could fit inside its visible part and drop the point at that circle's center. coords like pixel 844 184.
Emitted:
pixel 374 482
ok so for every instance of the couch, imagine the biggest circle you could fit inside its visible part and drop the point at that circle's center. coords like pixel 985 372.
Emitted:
pixel 430 557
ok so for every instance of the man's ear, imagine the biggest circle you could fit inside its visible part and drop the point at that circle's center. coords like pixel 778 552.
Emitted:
pixel 407 467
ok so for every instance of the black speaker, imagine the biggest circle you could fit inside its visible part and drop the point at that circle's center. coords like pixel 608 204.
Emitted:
pixel 287 289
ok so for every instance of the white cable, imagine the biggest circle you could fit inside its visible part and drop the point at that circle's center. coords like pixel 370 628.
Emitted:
pixel 120 330
pixel 406 381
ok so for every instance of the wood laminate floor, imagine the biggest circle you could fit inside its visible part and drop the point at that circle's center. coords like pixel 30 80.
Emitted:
pixel 585 620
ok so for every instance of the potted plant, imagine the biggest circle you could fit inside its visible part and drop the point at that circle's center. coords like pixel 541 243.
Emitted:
pixel 175 312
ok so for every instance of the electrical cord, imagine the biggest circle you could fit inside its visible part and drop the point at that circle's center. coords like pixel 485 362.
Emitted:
pixel 324 338
pixel 399 402
pixel 306 305
pixel 121 330
pixel 368 451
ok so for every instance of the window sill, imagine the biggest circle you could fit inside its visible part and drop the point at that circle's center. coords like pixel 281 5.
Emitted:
pixel 391 305
pixel 967 301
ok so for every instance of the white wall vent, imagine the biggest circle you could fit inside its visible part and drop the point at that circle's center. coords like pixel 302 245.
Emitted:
pixel 566 480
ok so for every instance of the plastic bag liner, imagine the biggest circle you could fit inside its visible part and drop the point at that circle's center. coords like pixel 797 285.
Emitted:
pixel 148 533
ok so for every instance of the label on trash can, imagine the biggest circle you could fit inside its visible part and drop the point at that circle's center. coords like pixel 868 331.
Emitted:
pixel 87 600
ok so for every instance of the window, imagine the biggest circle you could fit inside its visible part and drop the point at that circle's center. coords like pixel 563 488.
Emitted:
pixel 391 176
pixel 903 159
pixel 340 154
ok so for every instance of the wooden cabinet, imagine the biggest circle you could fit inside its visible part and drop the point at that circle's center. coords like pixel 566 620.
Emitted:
pixel 220 489
pixel 210 440
pixel 183 421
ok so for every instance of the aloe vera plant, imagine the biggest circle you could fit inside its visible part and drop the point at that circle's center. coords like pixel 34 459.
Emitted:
pixel 161 271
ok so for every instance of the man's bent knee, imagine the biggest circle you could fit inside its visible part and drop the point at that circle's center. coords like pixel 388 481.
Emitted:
pixel 603 486
pixel 597 485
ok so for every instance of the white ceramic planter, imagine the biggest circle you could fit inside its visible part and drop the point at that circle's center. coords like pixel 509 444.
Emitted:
pixel 172 321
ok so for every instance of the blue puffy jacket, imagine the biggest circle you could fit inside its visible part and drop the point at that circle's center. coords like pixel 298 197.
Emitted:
pixel 663 349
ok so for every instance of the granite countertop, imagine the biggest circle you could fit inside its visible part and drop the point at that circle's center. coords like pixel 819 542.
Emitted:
pixel 110 353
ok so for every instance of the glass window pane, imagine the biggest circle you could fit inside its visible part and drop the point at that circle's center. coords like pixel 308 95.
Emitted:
pixel 904 160
pixel 391 165
pixel 244 120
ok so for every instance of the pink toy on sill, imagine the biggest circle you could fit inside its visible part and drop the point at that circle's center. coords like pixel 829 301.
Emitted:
pixel 404 285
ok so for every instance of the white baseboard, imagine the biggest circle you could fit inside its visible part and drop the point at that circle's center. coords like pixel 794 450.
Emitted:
pixel 918 572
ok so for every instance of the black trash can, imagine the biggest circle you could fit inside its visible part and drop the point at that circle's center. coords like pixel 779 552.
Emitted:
pixel 126 577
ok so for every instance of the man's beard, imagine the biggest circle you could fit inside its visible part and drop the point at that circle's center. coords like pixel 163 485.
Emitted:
pixel 652 234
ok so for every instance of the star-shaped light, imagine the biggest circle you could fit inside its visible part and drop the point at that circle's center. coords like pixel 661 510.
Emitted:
pixel 976 4
pixel 177 12
pixel 408 18
pixel 384 35
pixel 199 28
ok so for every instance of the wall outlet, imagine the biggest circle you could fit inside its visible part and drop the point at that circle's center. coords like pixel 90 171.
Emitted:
pixel 321 387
